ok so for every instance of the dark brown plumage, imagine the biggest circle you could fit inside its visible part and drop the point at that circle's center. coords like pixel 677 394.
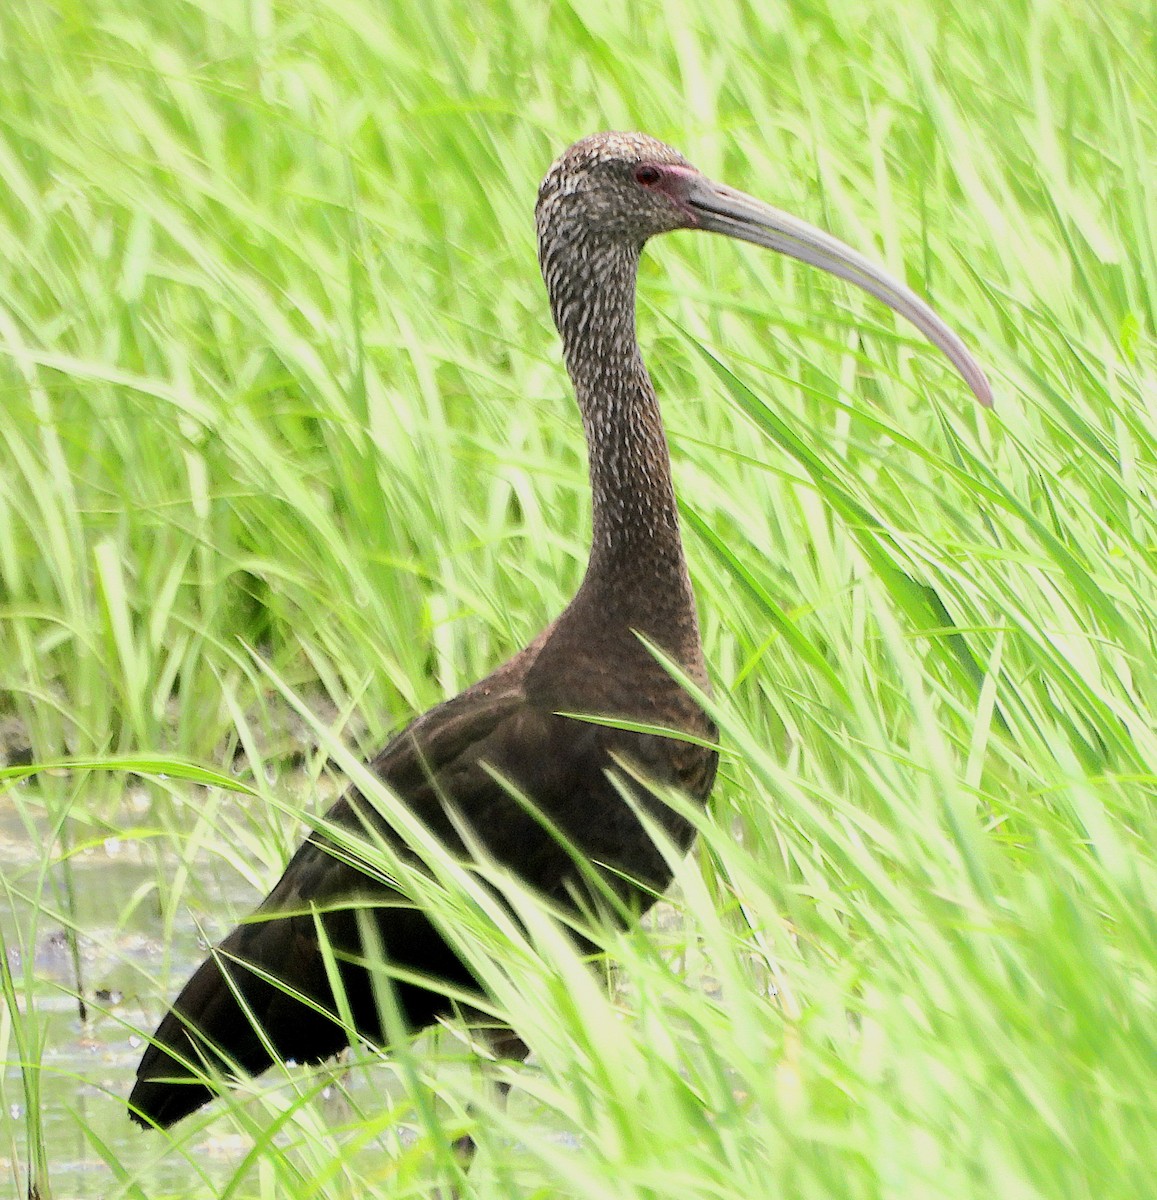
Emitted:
pixel 597 206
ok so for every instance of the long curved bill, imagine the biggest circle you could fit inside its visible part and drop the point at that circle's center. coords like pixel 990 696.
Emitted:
pixel 723 210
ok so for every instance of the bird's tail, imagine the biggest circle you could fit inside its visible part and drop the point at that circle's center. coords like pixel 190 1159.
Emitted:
pixel 233 1020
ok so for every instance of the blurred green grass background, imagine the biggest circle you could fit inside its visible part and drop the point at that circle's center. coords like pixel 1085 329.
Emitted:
pixel 280 387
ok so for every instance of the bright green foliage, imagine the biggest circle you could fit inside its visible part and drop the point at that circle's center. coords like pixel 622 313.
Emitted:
pixel 283 413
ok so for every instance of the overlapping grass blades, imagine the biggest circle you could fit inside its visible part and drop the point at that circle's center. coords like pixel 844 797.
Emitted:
pixel 279 386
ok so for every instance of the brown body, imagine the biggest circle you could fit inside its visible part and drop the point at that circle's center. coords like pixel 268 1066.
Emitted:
pixel 505 725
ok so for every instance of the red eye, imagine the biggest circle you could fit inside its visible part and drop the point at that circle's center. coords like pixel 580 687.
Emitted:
pixel 647 175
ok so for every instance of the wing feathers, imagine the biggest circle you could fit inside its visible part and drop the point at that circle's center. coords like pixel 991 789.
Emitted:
pixel 446 767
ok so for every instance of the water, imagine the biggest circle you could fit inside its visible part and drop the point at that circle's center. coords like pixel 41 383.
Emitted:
pixel 132 966
pixel 129 965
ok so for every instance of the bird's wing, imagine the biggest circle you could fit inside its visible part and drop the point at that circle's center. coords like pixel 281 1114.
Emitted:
pixel 233 1012
pixel 452 769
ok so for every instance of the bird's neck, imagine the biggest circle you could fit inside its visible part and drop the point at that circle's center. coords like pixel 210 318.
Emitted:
pixel 637 572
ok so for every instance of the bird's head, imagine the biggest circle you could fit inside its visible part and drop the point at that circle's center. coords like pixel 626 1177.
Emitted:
pixel 623 186
pixel 610 192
